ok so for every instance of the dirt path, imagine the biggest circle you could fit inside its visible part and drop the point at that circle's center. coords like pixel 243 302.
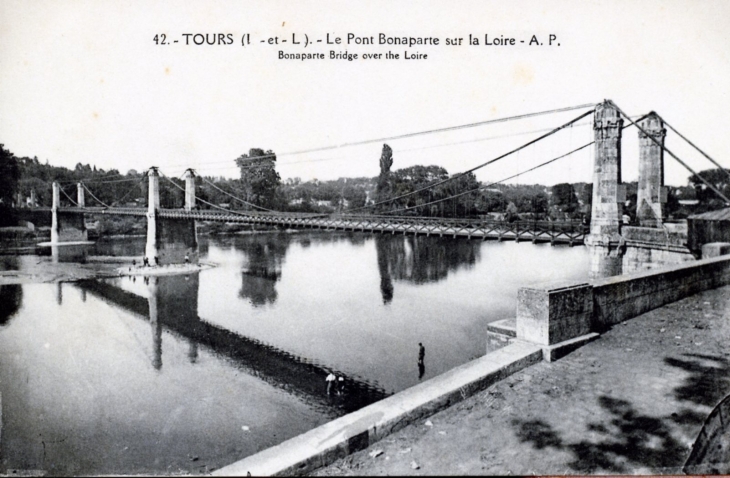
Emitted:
pixel 631 402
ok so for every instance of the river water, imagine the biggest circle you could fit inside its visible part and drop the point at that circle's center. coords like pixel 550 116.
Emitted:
pixel 189 373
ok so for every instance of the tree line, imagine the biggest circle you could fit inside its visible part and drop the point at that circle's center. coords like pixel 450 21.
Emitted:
pixel 415 190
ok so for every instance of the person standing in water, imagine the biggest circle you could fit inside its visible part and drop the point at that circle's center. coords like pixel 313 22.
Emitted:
pixel 330 382
pixel 421 365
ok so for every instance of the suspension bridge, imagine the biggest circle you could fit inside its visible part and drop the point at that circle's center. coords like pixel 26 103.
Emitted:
pixel 171 232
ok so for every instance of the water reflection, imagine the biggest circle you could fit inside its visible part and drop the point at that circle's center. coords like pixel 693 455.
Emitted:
pixel 265 254
pixel 386 281
pixel 420 259
pixel 9 263
pixel 172 303
pixel 147 362
pixel 320 296
pixel 81 397
pixel 11 298
pixel 416 259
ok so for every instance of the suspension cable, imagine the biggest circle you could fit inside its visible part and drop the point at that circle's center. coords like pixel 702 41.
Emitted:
pixel 100 180
pixel 420 133
pixel 696 147
pixel 69 197
pixel 707 183
pixel 236 198
pixel 457 176
pixel 230 211
pixel 131 189
pixel 400 151
pixel 495 182
pixel 92 195
pixel 513 176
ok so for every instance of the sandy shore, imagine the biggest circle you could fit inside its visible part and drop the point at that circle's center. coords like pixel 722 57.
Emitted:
pixel 36 269
pixel 170 269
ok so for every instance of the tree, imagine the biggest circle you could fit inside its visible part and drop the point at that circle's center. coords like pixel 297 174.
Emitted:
pixel 708 198
pixel 586 197
pixel 11 299
pixel 259 177
pixel 465 190
pixel 406 180
pixel 383 190
pixel 511 212
pixel 9 176
pixel 491 200
pixel 564 196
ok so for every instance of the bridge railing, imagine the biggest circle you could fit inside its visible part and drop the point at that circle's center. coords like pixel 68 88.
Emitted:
pixel 547 227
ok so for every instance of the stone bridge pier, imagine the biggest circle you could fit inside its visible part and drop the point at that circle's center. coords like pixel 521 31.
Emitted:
pixel 653 242
pixel 651 193
pixel 170 240
pixel 618 248
pixel 69 238
pixel 66 227
pixel 609 194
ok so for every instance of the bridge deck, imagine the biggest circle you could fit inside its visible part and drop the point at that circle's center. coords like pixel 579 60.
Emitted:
pixel 536 231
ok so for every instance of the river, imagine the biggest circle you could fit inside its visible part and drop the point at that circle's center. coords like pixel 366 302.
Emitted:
pixel 189 373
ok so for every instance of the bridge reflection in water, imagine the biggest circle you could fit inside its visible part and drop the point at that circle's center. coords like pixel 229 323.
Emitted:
pixel 360 303
pixel 172 304
pixel 413 259
pixel 420 260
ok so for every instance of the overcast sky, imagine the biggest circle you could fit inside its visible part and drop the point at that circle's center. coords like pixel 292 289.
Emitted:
pixel 83 81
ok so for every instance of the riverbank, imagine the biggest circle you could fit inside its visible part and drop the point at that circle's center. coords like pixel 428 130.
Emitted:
pixel 38 269
pixel 166 270
pixel 41 269
pixel 631 402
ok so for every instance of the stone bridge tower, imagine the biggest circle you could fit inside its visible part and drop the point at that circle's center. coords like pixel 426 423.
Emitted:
pixel 608 192
pixel 171 240
pixel 651 192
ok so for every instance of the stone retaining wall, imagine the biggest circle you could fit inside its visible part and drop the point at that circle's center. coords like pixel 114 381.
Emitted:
pixel 552 313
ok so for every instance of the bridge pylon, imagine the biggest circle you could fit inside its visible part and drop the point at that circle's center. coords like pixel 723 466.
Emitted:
pixel 65 227
pixel 80 200
pixel 189 190
pixel 651 192
pixel 153 205
pixel 608 192
pixel 170 239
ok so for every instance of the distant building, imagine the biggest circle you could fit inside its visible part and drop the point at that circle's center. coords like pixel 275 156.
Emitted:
pixel 711 226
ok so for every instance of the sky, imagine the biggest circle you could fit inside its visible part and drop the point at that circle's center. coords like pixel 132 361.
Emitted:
pixel 84 82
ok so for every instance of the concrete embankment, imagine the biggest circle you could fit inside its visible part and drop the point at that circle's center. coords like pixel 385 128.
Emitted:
pixel 632 402
pixel 358 430
pixel 556 315
pixel 551 321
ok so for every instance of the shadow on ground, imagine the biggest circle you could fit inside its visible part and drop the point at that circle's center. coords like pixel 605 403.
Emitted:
pixel 708 381
pixel 626 440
